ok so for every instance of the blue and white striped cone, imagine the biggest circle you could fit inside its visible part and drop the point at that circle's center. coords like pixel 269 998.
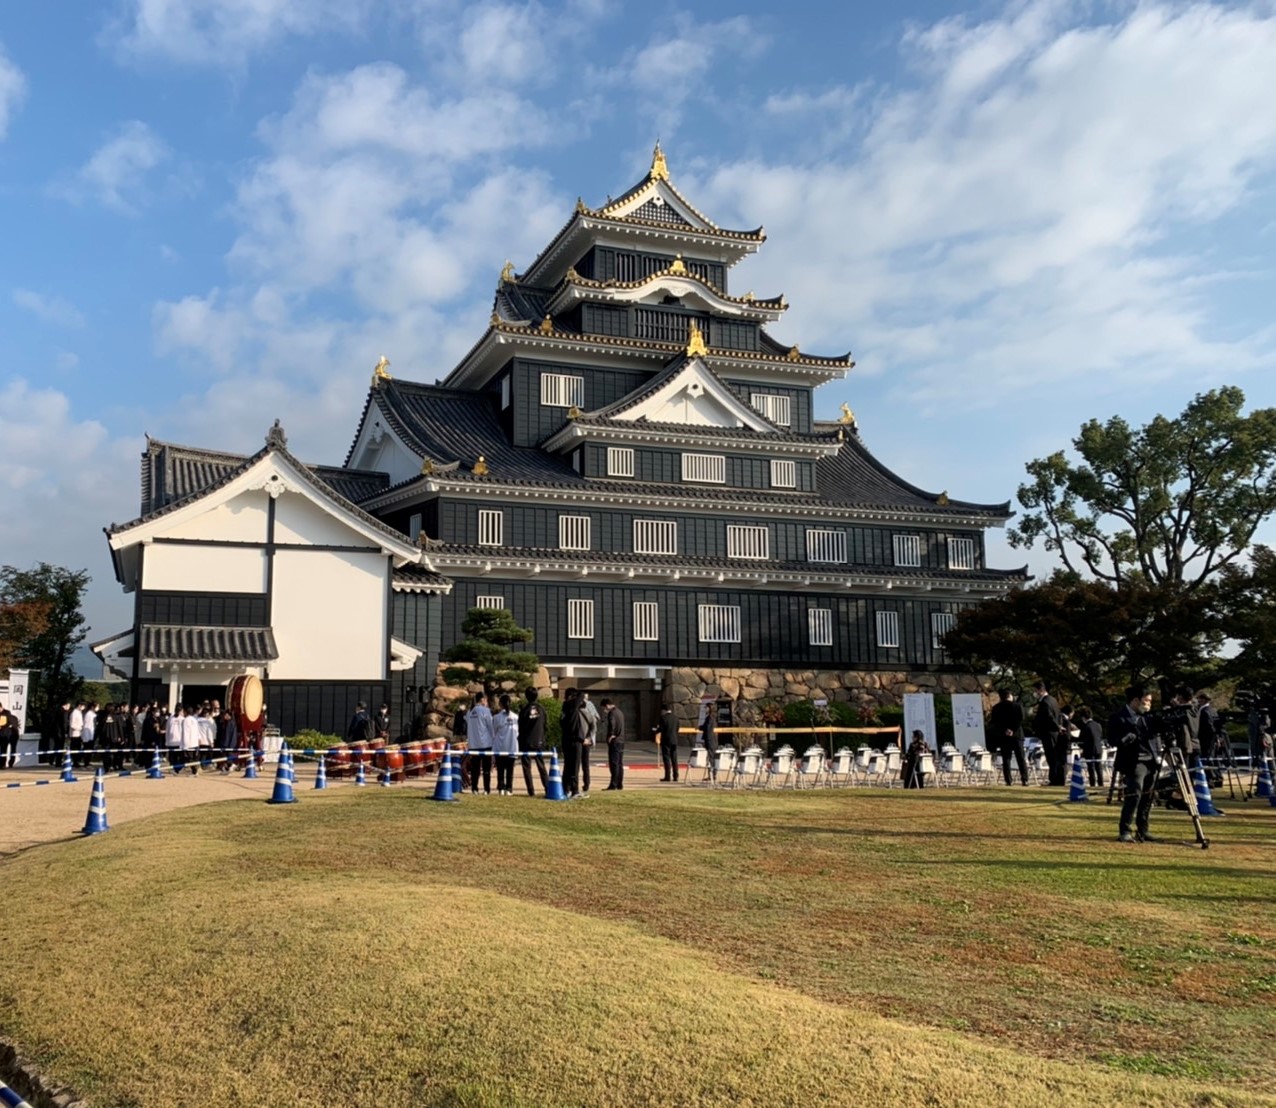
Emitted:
pixel 10 1098
pixel 1201 787
pixel 321 774
pixel 68 771
pixel 1076 789
pixel 284 778
pixel 554 789
pixel 1264 780
pixel 96 822
pixel 458 780
pixel 361 775
pixel 250 767
pixel 156 772
pixel 443 786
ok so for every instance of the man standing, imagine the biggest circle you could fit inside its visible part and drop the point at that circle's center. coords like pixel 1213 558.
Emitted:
pixel 1187 725
pixel 709 735
pixel 1212 734
pixel 615 723
pixel 1005 732
pixel 359 729
pixel 1048 726
pixel 667 740
pixel 481 736
pixel 8 738
pixel 531 740
pixel 1091 745
pixel 1138 758
pixel 590 715
pixel 59 733
pixel 75 732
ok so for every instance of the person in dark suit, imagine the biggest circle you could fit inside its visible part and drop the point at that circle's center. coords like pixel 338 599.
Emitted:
pixel 531 740
pixel 575 730
pixel 1005 733
pixel 1049 727
pixel 614 721
pixel 667 738
pixel 1138 759
pixel 709 736
pixel 1091 745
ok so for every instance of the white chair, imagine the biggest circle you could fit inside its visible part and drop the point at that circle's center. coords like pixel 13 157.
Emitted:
pixel 894 763
pixel 811 767
pixel 724 766
pixel 698 759
pixel 925 767
pixel 841 768
pixel 980 767
pixel 862 757
pixel 781 767
pixel 952 766
pixel 875 771
pixel 747 767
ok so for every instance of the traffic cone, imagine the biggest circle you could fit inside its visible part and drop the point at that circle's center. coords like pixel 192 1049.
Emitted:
pixel 554 790
pixel 1201 787
pixel 1076 791
pixel 458 780
pixel 443 786
pixel 96 823
pixel 284 777
pixel 250 769
pixel 68 771
pixel 361 776
pixel 156 772
pixel 1264 781
pixel 321 775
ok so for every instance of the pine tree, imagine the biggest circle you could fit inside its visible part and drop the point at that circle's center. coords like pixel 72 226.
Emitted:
pixel 486 649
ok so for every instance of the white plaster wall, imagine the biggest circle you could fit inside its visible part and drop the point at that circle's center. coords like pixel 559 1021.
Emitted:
pixel 392 456
pixel 298 520
pixel 204 568
pixel 242 519
pixel 329 615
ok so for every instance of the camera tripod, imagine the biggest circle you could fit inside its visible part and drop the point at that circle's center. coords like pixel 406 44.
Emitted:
pixel 1172 757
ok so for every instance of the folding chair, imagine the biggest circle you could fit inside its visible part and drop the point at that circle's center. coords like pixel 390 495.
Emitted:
pixel 980 766
pixel 724 766
pixel 698 759
pixel 952 766
pixel 841 768
pixel 747 768
pixel 811 767
pixel 894 763
pixel 862 757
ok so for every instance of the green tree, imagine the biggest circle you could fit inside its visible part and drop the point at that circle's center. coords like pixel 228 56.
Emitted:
pixel 40 626
pixel 485 653
pixel 1170 504
pixel 1249 597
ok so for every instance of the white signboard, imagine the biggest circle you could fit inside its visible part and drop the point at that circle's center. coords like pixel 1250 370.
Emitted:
pixel 16 699
pixel 919 715
pixel 968 720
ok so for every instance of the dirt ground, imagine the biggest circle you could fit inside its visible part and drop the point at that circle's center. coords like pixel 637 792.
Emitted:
pixel 34 814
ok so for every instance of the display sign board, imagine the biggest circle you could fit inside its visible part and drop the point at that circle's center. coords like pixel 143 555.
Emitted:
pixel 968 720
pixel 919 715
pixel 15 697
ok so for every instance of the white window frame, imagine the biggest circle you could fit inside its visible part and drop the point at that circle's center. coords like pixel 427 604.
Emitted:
pixel 819 626
pixel 940 624
pixel 825 545
pixel 908 550
pixel 414 526
pixel 718 622
pixel 961 552
pixel 562 390
pixel 620 461
pixel 573 532
pixel 655 536
pixel 492 603
pixel 748 540
pixel 778 409
pixel 580 619
pixel 491 527
pixel 646 621
pixel 888 630
pixel 707 469
pixel 783 473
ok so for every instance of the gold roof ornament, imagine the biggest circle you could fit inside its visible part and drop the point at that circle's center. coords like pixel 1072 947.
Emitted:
pixel 480 467
pixel 507 273
pixel 942 499
pixel 695 342
pixel 427 467
pixel 749 296
pixel 847 415
pixel 573 412
pixel 580 206
pixel 496 318
pixel 572 275
pixel 379 371
pixel 679 267
pixel 794 353
pixel 659 167
pixel 547 326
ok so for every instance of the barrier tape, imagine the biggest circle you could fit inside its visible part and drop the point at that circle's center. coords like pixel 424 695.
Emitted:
pixel 10 1097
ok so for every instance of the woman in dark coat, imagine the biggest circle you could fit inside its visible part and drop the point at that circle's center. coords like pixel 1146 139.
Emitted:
pixel 911 770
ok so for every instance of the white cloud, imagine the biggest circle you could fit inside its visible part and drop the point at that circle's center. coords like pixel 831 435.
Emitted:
pixel 13 90
pixel 1009 219
pixel 116 173
pixel 223 32
pixel 50 309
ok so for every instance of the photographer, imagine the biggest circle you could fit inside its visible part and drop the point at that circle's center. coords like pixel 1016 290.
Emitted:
pixel 1184 724
pixel 1138 759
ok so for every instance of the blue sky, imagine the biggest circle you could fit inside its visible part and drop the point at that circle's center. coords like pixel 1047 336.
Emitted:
pixel 216 212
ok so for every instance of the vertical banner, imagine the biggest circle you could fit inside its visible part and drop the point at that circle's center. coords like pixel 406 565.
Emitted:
pixel 968 720
pixel 19 682
pixel 919 715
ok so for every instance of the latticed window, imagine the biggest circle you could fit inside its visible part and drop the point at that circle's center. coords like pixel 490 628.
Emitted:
pixel 719 622
pixel 783 474
pixel 655 536
pixel 646 620
pixel 940 624
pixel 825 546
pixel 819 626
pixel 908 550
pixel 620 461
pixel 888 629
pixel 491 527
pixel 580 619
pixel 778 409
pixel 961 553
pixel 573 532
pixel 709 468
pixel 562 390
pixel 496 603
pixel 747 541
pixel 414 526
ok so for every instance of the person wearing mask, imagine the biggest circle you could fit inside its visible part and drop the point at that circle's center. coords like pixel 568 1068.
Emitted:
pixel 89 735
pixel 1049 727
pixel 531 740
pixel 504 746
pixel 1138 759
pixel 173 739
pixel 192 734
pixel 709 736
pixel 590 714
pixel 614 724
pixel 478 730
pixel 75 732
pixel 574 732
pixel 1005 733
pixel 8 738
pixel 1092 747
pixel 667 739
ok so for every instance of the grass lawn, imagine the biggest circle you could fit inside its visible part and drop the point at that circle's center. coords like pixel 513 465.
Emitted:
pixel 661 948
